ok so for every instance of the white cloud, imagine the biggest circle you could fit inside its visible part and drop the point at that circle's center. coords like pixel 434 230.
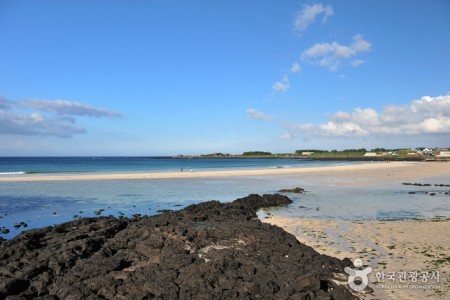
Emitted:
pixel 64 107
pixel 286 136
pixel 4 104
pixel 357 62
pixel 296 68
pixel 254 114
pixel 13 123
pixel 309 13
pixel 427 116
pixel 48 118
pixel 331 56
pixel 359 44
pixel 281 86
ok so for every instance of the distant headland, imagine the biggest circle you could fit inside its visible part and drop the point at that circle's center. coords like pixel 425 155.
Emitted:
pixel 362 154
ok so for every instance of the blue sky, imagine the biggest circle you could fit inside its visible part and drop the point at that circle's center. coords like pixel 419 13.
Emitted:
pixel 191 77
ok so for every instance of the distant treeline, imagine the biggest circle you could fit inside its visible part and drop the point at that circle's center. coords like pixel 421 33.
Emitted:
pixel 349 151
pixel 256 153
pixel 325 154
pixel 363 150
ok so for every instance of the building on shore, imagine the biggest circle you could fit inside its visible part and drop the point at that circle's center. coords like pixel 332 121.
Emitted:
pixel 444 154
pixel 370 154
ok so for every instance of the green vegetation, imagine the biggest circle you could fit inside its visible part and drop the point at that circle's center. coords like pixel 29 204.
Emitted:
pixel 441 261
pixel 257 153
pixel 216 155
pixel 333 153
pixel 363 154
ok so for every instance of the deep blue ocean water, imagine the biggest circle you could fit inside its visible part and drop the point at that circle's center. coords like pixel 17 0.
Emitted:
pixel 43 203
pixel 50 165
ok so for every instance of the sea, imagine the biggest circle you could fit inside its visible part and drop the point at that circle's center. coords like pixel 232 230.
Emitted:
pixel 26 205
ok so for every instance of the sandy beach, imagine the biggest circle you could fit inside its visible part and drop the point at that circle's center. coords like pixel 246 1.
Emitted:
pixel 364 173
pixel 388 247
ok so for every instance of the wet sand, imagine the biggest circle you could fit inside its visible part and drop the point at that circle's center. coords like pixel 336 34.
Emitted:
pixel 376 172
pixel 391 246
pixel 385 246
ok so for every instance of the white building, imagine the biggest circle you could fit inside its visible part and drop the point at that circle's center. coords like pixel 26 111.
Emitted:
pixel 307 153
pixel 444 154
pixel 371 154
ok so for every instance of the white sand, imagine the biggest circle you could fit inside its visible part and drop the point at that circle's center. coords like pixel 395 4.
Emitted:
pixel 389 246
pixel 378 170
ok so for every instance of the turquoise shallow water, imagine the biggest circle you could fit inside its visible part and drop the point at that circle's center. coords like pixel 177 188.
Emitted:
pixel 51 165
pixel 42 203
pixel 50 202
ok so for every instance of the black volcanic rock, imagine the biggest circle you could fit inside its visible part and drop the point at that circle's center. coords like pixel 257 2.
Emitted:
pixel 256 201
pixel 296 190
pixel 205 251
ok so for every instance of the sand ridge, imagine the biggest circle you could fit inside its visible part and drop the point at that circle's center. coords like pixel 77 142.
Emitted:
pixel 380 170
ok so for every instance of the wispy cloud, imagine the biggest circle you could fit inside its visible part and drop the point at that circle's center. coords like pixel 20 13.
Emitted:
pixel 47 117
pixel 254 114
pixel 429 115
pixel 286 136
pixel 308 15
pixel 4 104
pixel 14 123
pixel 331 56
pixel 357 62
pixel 281 86
pixel 296 68
pixel 64 107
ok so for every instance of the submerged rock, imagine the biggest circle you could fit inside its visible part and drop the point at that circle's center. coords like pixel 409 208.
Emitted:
pixel 296 190
pixel 208 250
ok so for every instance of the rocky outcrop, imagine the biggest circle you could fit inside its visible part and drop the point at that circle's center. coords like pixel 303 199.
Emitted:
pixel 256 202
pixel 205 251
pixel 296 190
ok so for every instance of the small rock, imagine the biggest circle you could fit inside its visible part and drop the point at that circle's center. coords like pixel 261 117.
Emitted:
pixel 308 282
pixel 296 190
pixel 13 286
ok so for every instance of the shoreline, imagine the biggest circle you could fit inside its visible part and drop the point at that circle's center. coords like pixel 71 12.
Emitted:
pixel 371 240
pixel 207 250
pixel 386 246
pixel 377 168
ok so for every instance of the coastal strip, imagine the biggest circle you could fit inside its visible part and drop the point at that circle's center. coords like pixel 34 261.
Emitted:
pixel 208 250
pixel 388 247
pixel 402 170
